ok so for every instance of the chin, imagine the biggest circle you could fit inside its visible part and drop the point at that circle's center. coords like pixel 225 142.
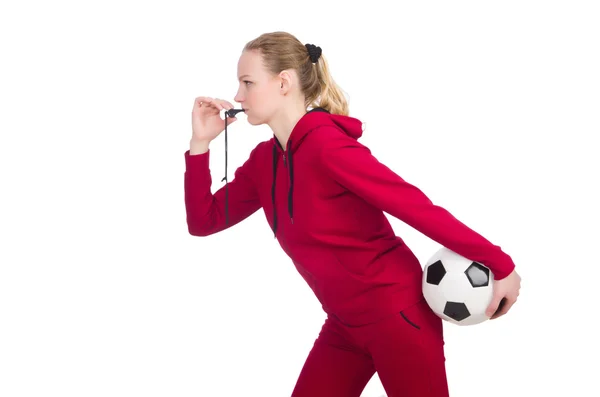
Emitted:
pixel 252 121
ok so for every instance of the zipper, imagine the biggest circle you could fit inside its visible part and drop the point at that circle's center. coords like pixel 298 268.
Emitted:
pixel 283 150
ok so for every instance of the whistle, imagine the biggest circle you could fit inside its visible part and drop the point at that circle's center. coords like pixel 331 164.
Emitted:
pixel 233 112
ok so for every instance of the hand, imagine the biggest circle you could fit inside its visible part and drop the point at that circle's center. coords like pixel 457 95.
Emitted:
pixel 506 292
pixel 207 123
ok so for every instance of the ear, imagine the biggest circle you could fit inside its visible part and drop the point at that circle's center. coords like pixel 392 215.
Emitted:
pixel 285 81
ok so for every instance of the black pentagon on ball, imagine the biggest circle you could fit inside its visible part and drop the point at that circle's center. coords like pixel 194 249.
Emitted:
pixel 456 311
pixel 435 273
pixel 478 275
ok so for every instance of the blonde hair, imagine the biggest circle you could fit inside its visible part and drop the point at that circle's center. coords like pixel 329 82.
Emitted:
pixel 281 51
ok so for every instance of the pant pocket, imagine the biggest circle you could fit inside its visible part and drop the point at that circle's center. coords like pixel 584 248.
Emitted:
pixel 409 320
pixel 424 319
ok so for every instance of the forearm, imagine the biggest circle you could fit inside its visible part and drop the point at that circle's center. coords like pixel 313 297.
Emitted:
pixel 198 147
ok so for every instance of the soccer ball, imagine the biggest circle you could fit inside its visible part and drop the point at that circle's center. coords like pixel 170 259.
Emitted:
pixel 457 289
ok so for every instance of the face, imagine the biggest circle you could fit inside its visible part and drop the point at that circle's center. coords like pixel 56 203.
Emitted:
pixel 259 92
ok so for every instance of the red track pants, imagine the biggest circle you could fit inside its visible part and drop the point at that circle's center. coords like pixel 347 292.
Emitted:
pixel 405 349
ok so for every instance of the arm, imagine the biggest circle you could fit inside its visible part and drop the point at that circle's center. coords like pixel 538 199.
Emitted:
pixel 205 211
pixel 352 165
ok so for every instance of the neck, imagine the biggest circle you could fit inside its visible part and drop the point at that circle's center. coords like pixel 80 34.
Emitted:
pixel 284 122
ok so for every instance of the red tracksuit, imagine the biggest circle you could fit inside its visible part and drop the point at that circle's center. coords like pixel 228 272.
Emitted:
pixel 324 197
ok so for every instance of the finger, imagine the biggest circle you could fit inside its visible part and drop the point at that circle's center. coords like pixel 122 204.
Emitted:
pixel 504 308
pixel 202 103
pixel 228 104
pixel 223 103
pixel 203 99
pixel 217 103
pixel 208 102
pixel 499 309
pixel 212 105
pixel 493 306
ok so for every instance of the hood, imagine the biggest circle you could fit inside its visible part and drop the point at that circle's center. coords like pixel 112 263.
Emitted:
pixel 315 118
pixel 319 117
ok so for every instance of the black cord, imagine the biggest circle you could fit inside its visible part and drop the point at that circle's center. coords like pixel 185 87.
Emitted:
pixel 228 113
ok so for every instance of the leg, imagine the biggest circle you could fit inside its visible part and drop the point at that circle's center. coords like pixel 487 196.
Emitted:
pixel 335 367
pixel 408 352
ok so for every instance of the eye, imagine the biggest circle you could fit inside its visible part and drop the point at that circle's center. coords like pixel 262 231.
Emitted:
pixel 246 81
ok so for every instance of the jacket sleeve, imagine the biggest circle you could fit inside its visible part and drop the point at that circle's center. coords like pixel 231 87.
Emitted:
pixel 353 166
pixel 205 211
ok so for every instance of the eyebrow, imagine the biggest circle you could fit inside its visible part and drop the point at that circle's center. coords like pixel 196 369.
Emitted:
pixel 241 77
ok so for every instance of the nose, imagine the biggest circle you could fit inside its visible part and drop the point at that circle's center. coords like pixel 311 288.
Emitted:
pixel 238 98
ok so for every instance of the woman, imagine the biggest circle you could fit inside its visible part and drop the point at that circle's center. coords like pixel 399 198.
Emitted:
pixel 324 196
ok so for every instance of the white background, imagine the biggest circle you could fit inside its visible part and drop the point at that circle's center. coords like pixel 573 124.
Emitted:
pixel 491 108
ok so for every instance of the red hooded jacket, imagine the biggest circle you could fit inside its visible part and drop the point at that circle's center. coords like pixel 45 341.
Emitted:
pixel 324 197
